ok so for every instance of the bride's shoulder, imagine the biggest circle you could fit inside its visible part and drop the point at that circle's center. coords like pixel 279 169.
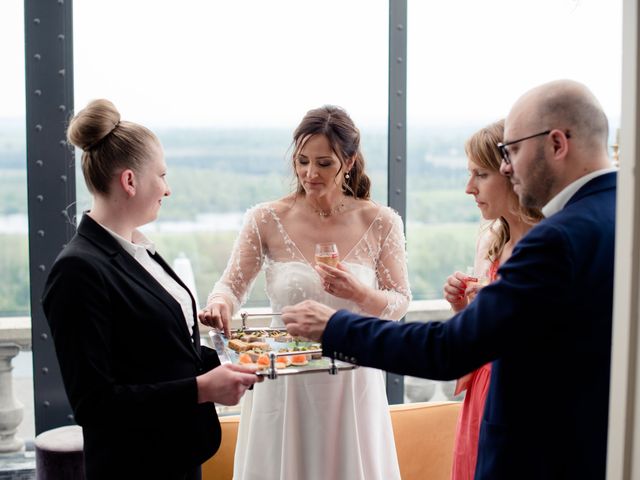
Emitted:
pixel 272 209
pixel 376 212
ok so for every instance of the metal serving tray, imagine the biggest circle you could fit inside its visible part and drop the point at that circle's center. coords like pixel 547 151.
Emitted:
pixel 314 365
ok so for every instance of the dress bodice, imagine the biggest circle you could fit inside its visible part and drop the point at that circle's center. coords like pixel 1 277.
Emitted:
pixel 294 409
pixel 377 259
pixel 289 283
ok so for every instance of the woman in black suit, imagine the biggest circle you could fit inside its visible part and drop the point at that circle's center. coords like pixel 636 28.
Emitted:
pixel 126 336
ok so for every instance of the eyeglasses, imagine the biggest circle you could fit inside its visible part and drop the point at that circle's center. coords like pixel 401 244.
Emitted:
pixel 503 146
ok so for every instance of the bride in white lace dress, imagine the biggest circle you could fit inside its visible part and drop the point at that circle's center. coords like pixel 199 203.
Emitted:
pixel 318 427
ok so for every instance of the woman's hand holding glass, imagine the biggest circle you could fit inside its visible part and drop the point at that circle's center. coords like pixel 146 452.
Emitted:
pixel 455 291
pixel 216 314
pixel 461 288
pixel 339 282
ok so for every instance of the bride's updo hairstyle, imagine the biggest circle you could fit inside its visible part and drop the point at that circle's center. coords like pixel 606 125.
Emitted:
pixel 108 144
pixel 344 138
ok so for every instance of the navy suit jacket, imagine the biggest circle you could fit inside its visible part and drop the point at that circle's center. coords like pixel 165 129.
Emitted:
pixel 128 362
pixel 546 326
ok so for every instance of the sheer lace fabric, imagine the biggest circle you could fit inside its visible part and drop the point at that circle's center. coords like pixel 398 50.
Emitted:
pixel 316 426
pixel 264 241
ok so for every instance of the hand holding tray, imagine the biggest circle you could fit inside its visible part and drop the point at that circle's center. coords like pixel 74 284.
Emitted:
pixel 274 350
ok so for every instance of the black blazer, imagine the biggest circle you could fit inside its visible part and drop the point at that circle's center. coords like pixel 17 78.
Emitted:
pixel 545 325
pixel 128 362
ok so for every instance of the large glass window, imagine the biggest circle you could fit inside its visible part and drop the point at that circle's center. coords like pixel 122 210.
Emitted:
pixel 224 91
pixel 14 266
pixel 14 246
pixel 468 62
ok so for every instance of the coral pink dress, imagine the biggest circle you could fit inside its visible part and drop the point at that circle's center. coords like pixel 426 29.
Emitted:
pixel 465 448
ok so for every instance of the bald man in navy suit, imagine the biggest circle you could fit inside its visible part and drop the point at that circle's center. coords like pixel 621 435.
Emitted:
pixel 545 323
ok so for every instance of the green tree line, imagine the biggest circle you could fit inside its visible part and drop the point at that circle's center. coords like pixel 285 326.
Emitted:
pixel 229 171
pixel 434 251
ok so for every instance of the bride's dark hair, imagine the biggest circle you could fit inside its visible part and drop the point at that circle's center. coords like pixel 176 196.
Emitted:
pixel 344 139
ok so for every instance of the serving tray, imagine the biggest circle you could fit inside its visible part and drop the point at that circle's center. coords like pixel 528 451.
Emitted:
pixel 281 349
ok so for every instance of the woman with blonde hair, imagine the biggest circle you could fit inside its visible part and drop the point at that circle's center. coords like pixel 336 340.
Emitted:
pixel 507 223
pixel 140 384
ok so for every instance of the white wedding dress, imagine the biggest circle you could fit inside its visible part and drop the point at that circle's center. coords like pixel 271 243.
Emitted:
pixel 316 426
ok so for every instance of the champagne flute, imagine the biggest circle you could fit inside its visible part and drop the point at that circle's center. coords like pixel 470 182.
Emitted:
pixel 327 253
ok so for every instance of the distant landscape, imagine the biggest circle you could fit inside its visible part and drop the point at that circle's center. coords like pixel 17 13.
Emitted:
pixel 222 172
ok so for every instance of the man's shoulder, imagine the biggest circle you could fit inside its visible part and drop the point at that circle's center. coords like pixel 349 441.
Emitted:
pixel 604 185
pixel 595 200
pixel 584 220
pixel 594 203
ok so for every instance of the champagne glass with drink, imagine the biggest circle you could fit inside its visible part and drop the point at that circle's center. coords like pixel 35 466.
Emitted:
pixel 327 253
pixel 475 281
pixel 474 278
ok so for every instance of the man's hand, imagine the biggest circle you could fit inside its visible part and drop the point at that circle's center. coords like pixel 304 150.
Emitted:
pixel 307 319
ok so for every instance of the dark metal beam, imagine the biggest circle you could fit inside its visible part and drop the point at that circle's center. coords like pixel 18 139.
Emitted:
pixel 397 138
pixel 50 183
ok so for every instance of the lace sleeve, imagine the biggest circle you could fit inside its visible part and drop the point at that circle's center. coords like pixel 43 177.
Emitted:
pixel 391 271
pixel 244 264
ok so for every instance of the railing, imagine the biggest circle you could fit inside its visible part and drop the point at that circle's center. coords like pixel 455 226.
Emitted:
pixel 15 335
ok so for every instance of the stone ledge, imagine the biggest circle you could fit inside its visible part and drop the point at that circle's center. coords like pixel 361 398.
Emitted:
pixel 429 310
pixel 16 330
pixel 18 466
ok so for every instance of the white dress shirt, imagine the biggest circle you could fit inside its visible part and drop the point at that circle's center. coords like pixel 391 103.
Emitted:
pixel 558 202
pixel 139 249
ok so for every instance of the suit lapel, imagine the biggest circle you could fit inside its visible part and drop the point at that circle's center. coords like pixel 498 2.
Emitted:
pixel 90 229
pixel 196 335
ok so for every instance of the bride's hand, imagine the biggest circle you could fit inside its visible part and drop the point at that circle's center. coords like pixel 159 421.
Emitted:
pixel 339 282
pixel 217 315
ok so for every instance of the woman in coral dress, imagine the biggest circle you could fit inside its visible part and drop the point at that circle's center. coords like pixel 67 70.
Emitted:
pixel 318 426
pixel 507 223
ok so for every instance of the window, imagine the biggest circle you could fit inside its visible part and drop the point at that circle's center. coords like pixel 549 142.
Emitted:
pixel 14 263
pixel 224 91
pixel 14 243
pixel 468 62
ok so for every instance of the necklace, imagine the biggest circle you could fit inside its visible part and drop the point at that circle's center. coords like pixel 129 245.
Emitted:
pixel 323 213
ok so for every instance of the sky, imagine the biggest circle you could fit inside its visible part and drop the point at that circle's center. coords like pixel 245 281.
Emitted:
pixel 261 63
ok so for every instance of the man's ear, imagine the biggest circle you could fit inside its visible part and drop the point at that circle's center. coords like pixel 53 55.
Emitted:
pixel 128 181
pixel 560 142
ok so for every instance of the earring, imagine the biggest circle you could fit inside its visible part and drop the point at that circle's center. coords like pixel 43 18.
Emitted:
pixel 347 176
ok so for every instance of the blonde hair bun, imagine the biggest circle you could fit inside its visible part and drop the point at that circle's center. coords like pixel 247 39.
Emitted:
pixel 93 123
